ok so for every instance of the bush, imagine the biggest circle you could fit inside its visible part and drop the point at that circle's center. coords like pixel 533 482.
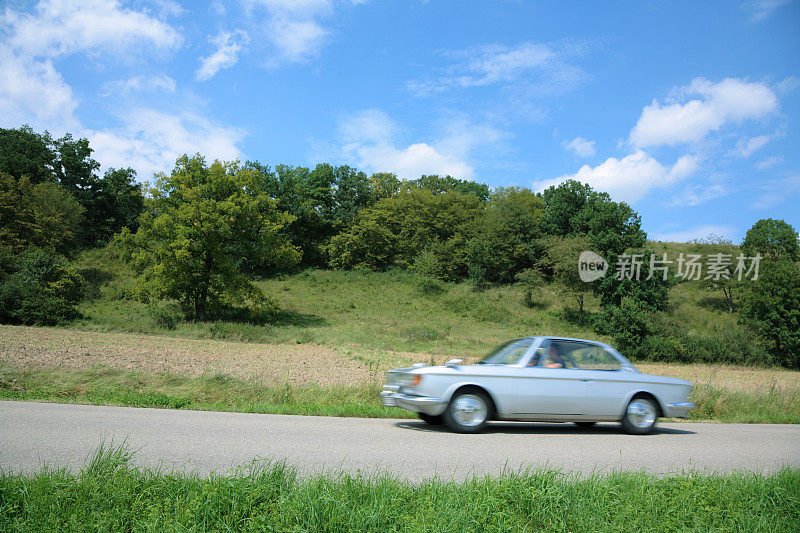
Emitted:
pixel 166 315
pixel 629 324
pixel 39 288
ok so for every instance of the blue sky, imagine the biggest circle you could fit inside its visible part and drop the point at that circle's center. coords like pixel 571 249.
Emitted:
pixel 690 111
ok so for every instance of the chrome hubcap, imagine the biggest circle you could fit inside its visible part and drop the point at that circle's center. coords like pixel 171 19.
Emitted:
pixel 641 413
pixel 469 410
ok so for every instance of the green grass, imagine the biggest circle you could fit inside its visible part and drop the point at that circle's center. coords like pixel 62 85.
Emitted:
pixel 380 311
pixel 219 392
pixel 108 494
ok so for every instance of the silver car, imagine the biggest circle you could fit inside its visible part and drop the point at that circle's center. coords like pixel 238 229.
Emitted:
pixel 539 379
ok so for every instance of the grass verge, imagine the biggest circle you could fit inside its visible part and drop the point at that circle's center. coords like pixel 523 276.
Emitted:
pixel 221 392
pixel 109 494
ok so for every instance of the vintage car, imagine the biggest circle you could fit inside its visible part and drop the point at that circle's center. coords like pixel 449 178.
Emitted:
pixel 539 379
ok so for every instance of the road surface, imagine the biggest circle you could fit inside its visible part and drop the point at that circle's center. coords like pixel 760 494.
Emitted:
pixel 34 434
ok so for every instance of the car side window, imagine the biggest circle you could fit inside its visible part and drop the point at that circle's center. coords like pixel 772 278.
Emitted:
pixel 556 355
pixel 593 357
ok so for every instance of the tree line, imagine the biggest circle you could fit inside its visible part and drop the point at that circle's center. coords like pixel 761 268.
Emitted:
pixel 200 234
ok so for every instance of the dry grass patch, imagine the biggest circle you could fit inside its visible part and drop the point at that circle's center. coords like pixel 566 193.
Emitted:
pixel 736 378
pixel 297 364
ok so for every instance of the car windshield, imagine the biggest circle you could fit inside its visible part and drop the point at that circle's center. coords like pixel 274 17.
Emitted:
pixel 508 353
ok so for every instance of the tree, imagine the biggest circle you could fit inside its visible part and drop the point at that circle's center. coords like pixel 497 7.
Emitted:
pixel 38 287
pixel 649 291
pixel 573 208
pixel 775 240
pixel 43 215
pixel 561 258
pixel 438 185
pixel 722 248
pixel 23 152
pixel 202 224
pixel 385 184
pixel 771 307
pixel 505 241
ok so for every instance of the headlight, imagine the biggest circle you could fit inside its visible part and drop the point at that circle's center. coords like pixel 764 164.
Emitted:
pixel 413 380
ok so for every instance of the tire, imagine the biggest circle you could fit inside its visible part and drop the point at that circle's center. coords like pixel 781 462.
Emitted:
pixel 640 416
pixel 585 425
pixel 468 411
pixel 434 420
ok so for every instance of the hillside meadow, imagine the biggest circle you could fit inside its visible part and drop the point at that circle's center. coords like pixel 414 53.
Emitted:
pixel 334 335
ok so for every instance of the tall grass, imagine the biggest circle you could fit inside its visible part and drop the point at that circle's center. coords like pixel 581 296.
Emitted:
pixel 109 494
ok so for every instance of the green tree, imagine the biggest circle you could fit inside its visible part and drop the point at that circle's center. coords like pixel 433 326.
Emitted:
pixel 385 184
pixel 774 239
pixel 43 215
pixel 38 287
pixel 573 208
pixel 771 306
pixel 23 152
pixel 561 258
pixel 202 224
pixel 636 283
pixel 505 242
pixel 441 184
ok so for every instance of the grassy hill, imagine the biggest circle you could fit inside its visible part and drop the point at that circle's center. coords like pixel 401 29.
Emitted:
pixel 394 310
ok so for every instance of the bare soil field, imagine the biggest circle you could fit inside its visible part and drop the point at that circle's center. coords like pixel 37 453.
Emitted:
pixel 297 364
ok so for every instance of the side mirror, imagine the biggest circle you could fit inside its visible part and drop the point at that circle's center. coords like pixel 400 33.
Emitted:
pixel 453 363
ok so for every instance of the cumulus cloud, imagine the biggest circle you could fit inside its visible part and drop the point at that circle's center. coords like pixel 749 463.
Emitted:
pixel 150 141
pixel 33 92
pixel 369 140
pixel 629 179
pixel 681 122
pixel 294 26
pixel 530 63
pixel 228 45
pixel 61 27
pixel 579 146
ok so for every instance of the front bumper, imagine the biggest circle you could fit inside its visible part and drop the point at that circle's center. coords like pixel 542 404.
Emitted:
pixel 678 410
pixel 391 396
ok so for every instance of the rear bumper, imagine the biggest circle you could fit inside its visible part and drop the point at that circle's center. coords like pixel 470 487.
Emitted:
pixel 678 410
pixel 392 397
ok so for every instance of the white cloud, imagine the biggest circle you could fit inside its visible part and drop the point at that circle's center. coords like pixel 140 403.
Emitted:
pixel 61 27
pixel 747 147
pixel 730 100
pixel 529 63
pixel 763 9
pixel 369 140
pixel 162 82
pixel 629 179
pixel 228 44
pixel 579 146
pixel 33 92
pixel 150 141
pixel 697 194
pixel 769 162
pixel 694 233
pixel 294 27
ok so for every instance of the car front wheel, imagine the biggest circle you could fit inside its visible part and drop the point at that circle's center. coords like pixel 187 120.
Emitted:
pixel 467 412
pixel 640 416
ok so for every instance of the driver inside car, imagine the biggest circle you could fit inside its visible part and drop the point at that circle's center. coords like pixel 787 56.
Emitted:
pixel 554 359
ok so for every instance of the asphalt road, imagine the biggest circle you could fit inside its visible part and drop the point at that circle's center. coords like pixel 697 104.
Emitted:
pixel 34 434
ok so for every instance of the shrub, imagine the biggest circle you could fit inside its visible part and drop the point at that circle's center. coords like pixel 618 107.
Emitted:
pixel 38 287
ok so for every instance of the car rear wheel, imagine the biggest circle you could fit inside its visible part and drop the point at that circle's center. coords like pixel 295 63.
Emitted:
pixel 640 416
pixel 434 420
pixel 468 412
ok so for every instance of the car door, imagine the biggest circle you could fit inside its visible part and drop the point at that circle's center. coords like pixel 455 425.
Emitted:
pixel 549 390
pixel 607 384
